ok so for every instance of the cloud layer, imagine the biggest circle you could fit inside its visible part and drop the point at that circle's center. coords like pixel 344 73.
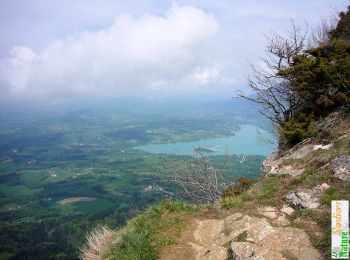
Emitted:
pixel 133 56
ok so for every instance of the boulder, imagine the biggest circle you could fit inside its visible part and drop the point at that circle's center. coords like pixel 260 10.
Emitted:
pixel 306 198
pixel 341 167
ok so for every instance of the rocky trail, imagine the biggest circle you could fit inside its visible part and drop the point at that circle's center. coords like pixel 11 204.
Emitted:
pixel 267 235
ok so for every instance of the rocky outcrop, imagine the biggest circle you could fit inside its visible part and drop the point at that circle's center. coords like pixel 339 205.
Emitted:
pixel 306 198
pixel 278 163
pixel 266 242
pixel 341 167
pixel 243 237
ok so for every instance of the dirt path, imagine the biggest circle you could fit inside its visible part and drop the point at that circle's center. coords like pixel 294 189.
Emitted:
pixel 182 250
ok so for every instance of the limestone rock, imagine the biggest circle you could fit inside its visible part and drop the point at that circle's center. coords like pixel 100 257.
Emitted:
pixel 287 210
pixel 248 237
pixel 269 164
pixel 242 250
pixel 306 198
pixel 275 216
pixel 276 163
pixel 341 167
pixel 274 243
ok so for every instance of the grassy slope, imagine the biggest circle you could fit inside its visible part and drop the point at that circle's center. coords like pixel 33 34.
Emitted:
pixel 145 235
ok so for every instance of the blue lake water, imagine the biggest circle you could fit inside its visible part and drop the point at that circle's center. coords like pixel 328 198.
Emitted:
pixel 248 140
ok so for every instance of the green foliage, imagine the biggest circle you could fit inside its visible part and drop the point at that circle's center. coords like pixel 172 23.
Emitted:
pixel 320 78
pixel 266 193
pixel 329 195
pixel 263 192
pixel 296 181
pixel 134 246
pixel 267 189
pixel 305 214
pixel 312 179
pixel 232 202
pixel 159 226
pixel 342 31
pixel 310 171
pixel 298 128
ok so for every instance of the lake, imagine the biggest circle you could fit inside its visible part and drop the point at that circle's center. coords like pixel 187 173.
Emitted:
pixel 249 139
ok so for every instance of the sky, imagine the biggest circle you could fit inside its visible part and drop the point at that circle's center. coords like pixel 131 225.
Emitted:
pixel 52 51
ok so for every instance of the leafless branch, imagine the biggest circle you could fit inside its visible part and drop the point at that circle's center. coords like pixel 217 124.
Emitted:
pixel 269 88
pixel 198 181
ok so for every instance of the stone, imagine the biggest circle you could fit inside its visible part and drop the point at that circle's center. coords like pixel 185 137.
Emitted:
pixel 341 167
pixel 269 164
pixel 274 243
pixel 306 198
pixel 275 163
pixel 323 147
pixel 287 210
pixel 242 250
pixel 282 220
pixel 269 212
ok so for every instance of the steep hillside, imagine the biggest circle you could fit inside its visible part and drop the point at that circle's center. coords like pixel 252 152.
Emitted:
pixel 285 215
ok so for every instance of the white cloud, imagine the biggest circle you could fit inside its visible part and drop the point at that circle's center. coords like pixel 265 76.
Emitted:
pixel 205 75
pixel 134 55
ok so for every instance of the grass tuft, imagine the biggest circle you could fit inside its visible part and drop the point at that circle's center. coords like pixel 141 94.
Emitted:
pixel 232 202
pixel 97 242
pixel 156 228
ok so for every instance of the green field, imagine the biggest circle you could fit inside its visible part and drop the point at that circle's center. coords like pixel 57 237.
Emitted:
pixel 45 158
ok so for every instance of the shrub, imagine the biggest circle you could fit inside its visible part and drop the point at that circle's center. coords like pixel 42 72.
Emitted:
pixel 298 128
pixel 240 186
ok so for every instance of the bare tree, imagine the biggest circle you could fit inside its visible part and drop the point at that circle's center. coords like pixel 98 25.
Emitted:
pixel 198 181
pixel 320 34
pixel 269 88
